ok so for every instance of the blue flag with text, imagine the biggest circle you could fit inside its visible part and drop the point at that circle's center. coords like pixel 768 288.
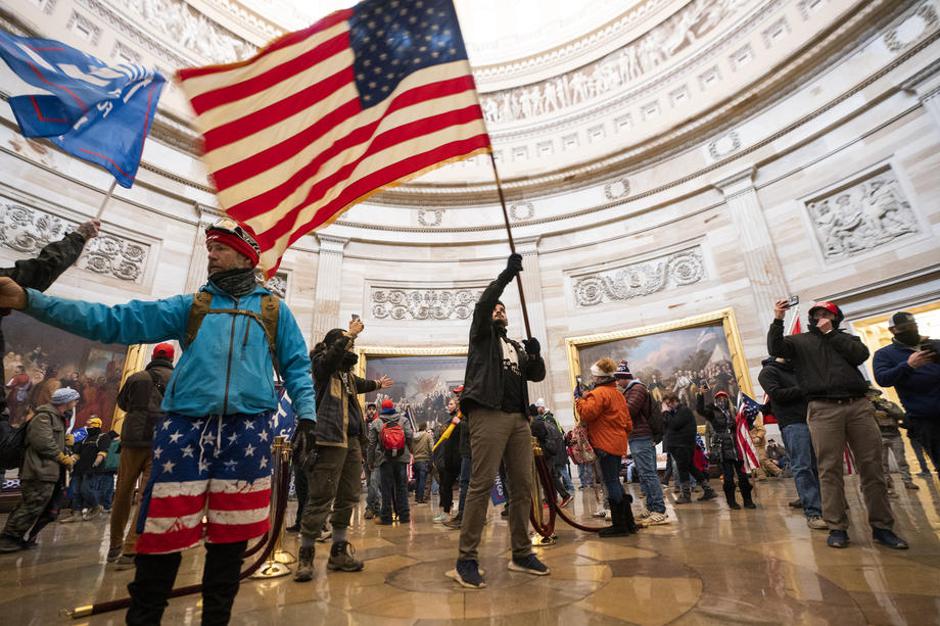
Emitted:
pixel 93 111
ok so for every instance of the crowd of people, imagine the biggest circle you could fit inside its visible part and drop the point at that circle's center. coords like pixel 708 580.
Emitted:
pixel 198 448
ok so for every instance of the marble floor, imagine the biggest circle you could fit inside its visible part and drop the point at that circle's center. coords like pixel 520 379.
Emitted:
pixel 710 566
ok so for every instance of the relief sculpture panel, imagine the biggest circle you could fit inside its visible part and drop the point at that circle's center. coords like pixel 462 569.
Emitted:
pixel 423 304
pixel 680 268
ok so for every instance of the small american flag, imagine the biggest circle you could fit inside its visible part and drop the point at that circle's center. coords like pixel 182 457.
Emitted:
pixel 323 117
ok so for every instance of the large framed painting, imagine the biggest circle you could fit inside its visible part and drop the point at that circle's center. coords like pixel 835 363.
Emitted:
pixel 41 358
pixel 423 377
pixel 675 356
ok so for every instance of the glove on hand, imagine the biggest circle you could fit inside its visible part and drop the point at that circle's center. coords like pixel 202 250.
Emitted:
pixel 305 441
pixel 514 264
pixel 532 346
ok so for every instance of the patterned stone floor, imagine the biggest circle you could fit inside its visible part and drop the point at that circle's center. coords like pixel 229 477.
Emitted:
pixel 710 566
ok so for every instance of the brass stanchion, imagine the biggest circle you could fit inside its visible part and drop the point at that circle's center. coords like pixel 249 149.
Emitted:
pixel 276 564
pixel 544 531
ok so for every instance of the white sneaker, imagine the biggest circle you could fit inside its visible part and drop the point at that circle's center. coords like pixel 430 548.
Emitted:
pixel 601 513
pixel 655 519
pixel 441 517
pixel 643 515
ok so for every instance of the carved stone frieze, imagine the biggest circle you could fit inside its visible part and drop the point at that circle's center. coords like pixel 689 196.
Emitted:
pixel 641 279
pixel 27 229
pixel 871 212
pixel 277 285
pixel 423 304
pixel 723 146
pixel 606 75
pixel 521 211
pixel 913 28
pixel 430 217
pixel 617 189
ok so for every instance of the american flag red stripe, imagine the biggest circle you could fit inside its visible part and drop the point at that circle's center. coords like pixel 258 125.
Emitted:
pixel 296 135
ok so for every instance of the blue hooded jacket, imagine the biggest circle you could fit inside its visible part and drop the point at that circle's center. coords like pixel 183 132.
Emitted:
pixel 226 370
pixel 918 389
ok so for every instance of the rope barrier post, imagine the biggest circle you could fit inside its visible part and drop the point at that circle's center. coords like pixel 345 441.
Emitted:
pixel 276 564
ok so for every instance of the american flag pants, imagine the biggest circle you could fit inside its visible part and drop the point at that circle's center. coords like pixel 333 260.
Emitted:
pixel 211 479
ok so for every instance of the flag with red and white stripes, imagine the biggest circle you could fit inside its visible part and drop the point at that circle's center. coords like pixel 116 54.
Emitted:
pixel 748 408
pixel 323 117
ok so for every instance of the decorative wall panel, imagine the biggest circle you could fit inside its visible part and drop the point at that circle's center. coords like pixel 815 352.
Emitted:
pixel 684 267
pixel 423 304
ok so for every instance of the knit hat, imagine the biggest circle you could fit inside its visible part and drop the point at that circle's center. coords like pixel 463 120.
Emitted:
pixel 388 407
pixel 93 422
pixel 229 233
pixel 604 368
pixel 163 351
pixel 622 370
pixel 64 395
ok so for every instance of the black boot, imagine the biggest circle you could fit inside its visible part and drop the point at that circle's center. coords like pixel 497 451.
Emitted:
pixel 628 521
pixel 746 491
pixel 304 572
pixel 686 496
pixel 707 493
pixel 617 527
pixel 731 500
pixel 220 579
pixel 153 581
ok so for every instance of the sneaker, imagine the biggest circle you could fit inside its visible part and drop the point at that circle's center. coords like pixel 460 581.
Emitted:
pixel 887 538
pixel 10 544
pixel 642 515
pixel 529 565
pixel 749 504
pixel 467 573
pixel 817 523
pixel 838 539
pixel 455 523
pixel 304 572
pixel 565 502
pixel 440 518
pixel 125 562
pixel 69 518
pixel 911 486
pixel 601 512
pixel 113 554
pixel 343 559
pixel 795 504
pixel 654 519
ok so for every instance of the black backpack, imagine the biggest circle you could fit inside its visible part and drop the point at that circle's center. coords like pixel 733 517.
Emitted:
pixel 554 440
pixel 12 445
pixel 655 414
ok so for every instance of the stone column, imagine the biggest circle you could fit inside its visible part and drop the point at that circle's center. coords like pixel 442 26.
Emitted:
pixel 329 286
pixel 755 245
pixel 532 285
pixel 198 272
pixel 925 84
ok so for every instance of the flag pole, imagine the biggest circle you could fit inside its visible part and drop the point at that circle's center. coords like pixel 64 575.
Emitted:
pixel 512 243
pixel 104 202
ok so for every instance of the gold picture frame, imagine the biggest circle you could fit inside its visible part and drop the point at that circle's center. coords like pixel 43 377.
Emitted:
pixel 724 316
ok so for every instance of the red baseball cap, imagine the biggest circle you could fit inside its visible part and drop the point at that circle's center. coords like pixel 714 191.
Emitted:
pixel 163 351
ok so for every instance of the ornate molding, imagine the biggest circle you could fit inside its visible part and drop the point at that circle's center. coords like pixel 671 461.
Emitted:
pixel 430 217
pixel 643 278
pixel 27 229
pixel 865 214
pixel 913 28
pixel 437 303
pixel 617 189
pixel 277 285
pixel 521 211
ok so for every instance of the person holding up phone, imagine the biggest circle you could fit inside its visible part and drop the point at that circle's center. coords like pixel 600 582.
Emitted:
pixel 911 364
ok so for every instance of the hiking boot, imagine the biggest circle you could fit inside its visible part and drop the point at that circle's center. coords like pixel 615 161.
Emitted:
pixel 529 565
pixel 113 554
pixel 69 516
pixel 686 496
pixel 816 523
pixel 749 504
pixel 125 562
pixel 707 493
pixel 342 558
pixel 887 538
pixel 454 523
pixel 10 544
pixel 838 539
pixel 304 571
pixel 467 573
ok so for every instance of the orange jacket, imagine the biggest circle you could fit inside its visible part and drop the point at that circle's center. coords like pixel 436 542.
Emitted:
pixel 604 413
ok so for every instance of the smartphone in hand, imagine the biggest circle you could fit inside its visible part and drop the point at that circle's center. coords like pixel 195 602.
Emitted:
pixel 792 301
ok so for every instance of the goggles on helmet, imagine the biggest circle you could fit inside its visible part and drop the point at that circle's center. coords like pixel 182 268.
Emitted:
pixel 231 227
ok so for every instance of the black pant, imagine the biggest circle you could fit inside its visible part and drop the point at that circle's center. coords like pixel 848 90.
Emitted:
pixel 683 457
pixel 928 433
pixel 729 470
pixel 156 574
pixel 448 479
pixel 300 486
pixel 395 491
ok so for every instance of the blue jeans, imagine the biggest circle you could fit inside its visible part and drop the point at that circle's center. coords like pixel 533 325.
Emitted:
pixel 465 465
pixel 107 490
pixel 394 490
pixel 566 478
pixel 374 493
pixel 610 471
pixel 799 446
pixel 421 469
pixel 586 474
pixel 644 460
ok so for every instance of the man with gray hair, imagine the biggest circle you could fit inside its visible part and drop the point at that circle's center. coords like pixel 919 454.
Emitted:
pixel 43 472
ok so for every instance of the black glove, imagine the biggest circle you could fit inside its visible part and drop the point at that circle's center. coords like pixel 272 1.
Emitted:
pixel 305 441
pixel 532 346
pixel 514 264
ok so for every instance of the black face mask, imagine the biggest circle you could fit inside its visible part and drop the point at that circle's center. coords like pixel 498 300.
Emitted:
pixel 908 337
pixel 349 359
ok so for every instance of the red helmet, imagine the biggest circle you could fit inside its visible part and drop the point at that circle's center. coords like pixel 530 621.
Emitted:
pixel 831 307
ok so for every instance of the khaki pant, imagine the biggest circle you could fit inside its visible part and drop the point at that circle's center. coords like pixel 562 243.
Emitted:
pixel 496 436
pixel 334 482
pixel 832 425
pixel 135 463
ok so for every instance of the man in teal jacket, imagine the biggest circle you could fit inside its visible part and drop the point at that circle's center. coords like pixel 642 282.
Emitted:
pixel 211 456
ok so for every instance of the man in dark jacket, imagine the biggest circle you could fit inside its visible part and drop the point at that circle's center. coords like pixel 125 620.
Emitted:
pixel 40 272
pixel 642 447
pixel 495 399
pixel 140 398
pixel 911 364
pixel 788 405
pixel 43 472
pixel 553 447
pixel 680 430
pixel 392 462
pixel 826 362
pixel 331 449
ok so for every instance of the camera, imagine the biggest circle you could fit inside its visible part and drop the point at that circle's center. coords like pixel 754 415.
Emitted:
pixel 792 301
